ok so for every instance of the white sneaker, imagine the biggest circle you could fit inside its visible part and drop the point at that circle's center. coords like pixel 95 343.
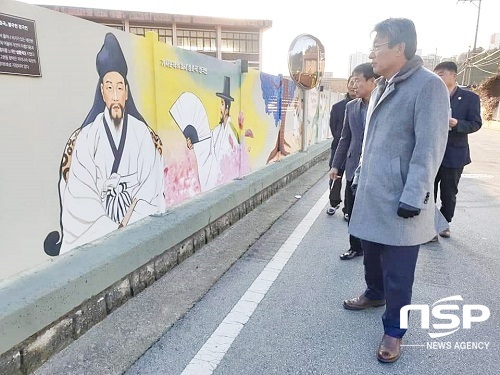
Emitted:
pixel 331 210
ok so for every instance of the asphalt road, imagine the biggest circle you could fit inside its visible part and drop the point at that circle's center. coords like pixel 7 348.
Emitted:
pixel 278 308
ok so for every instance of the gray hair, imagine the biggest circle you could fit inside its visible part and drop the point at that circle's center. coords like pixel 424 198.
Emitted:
pixel 399 30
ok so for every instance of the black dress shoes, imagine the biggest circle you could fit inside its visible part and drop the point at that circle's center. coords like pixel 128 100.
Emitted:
pixel 389 349
pixel 361 303
pixel 434 239
pixel 349 254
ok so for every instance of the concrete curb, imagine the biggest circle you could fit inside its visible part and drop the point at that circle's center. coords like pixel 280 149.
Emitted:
pixel 63 298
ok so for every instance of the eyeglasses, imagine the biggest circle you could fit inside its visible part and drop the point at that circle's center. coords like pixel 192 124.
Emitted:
pixel 376 47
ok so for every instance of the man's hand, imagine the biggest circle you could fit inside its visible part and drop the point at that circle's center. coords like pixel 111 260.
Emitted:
pixel 452 122
pixel 354 188
pixel 333 174
pixel 406 211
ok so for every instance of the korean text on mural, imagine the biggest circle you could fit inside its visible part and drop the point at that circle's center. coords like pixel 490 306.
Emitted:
pixel 183 66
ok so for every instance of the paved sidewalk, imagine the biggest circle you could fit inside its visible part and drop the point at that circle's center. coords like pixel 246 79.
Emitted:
pixel 114 344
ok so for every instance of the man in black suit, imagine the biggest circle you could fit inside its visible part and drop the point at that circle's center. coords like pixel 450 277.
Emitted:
pixel 336 122
pixel 465 118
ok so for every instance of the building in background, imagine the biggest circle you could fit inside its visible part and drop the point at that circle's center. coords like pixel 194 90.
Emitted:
pixel 223 38
pixel 356 59
pixel 337 85
pixel 495 41
pixel 432 59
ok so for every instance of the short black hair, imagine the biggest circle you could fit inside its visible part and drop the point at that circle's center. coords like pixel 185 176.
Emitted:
pixel 366 69
pixel 447 65
pixel 399 30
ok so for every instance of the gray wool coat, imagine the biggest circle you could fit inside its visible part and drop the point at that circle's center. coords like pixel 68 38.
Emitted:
pixel 405 140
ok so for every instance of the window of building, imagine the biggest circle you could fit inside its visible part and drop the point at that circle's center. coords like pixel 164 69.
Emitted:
pixel 114 26
pixel 164 34
pixel 197 40
pixel 243 42
pixel 254 64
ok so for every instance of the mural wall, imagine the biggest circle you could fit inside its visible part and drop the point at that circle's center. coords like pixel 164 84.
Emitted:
pixel 117 127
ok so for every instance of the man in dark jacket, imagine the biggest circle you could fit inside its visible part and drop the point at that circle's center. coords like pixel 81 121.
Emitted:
pixel 465 118
pixel 349 148
pixel 336 122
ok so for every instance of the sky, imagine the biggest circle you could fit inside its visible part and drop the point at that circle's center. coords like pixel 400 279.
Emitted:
pixel 343 26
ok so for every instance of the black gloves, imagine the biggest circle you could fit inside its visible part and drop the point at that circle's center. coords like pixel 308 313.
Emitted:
pixel 406 211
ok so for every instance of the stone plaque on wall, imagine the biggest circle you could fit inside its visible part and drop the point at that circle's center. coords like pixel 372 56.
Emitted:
pixel 18 46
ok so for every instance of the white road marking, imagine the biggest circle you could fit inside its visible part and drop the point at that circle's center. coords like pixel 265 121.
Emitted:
pixel 477 176
pixel 211 353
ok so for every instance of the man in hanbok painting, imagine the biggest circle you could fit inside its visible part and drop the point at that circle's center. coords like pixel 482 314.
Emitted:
pixel 112 168
pixel 217 151
pixel 223 146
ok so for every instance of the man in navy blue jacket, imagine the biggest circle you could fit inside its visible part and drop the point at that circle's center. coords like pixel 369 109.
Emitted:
pixel 465 118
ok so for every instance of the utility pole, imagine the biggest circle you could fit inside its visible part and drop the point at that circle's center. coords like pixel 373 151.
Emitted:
pixel 478 15
pixel 477 25
pixel 468 64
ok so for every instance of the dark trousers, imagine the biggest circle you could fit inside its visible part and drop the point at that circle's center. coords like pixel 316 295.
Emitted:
pixel 389 274
pixel 354 242
pixel 334 197
pixel 447 180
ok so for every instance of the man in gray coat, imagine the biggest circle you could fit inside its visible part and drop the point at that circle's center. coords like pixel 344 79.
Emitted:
pixel 394 211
